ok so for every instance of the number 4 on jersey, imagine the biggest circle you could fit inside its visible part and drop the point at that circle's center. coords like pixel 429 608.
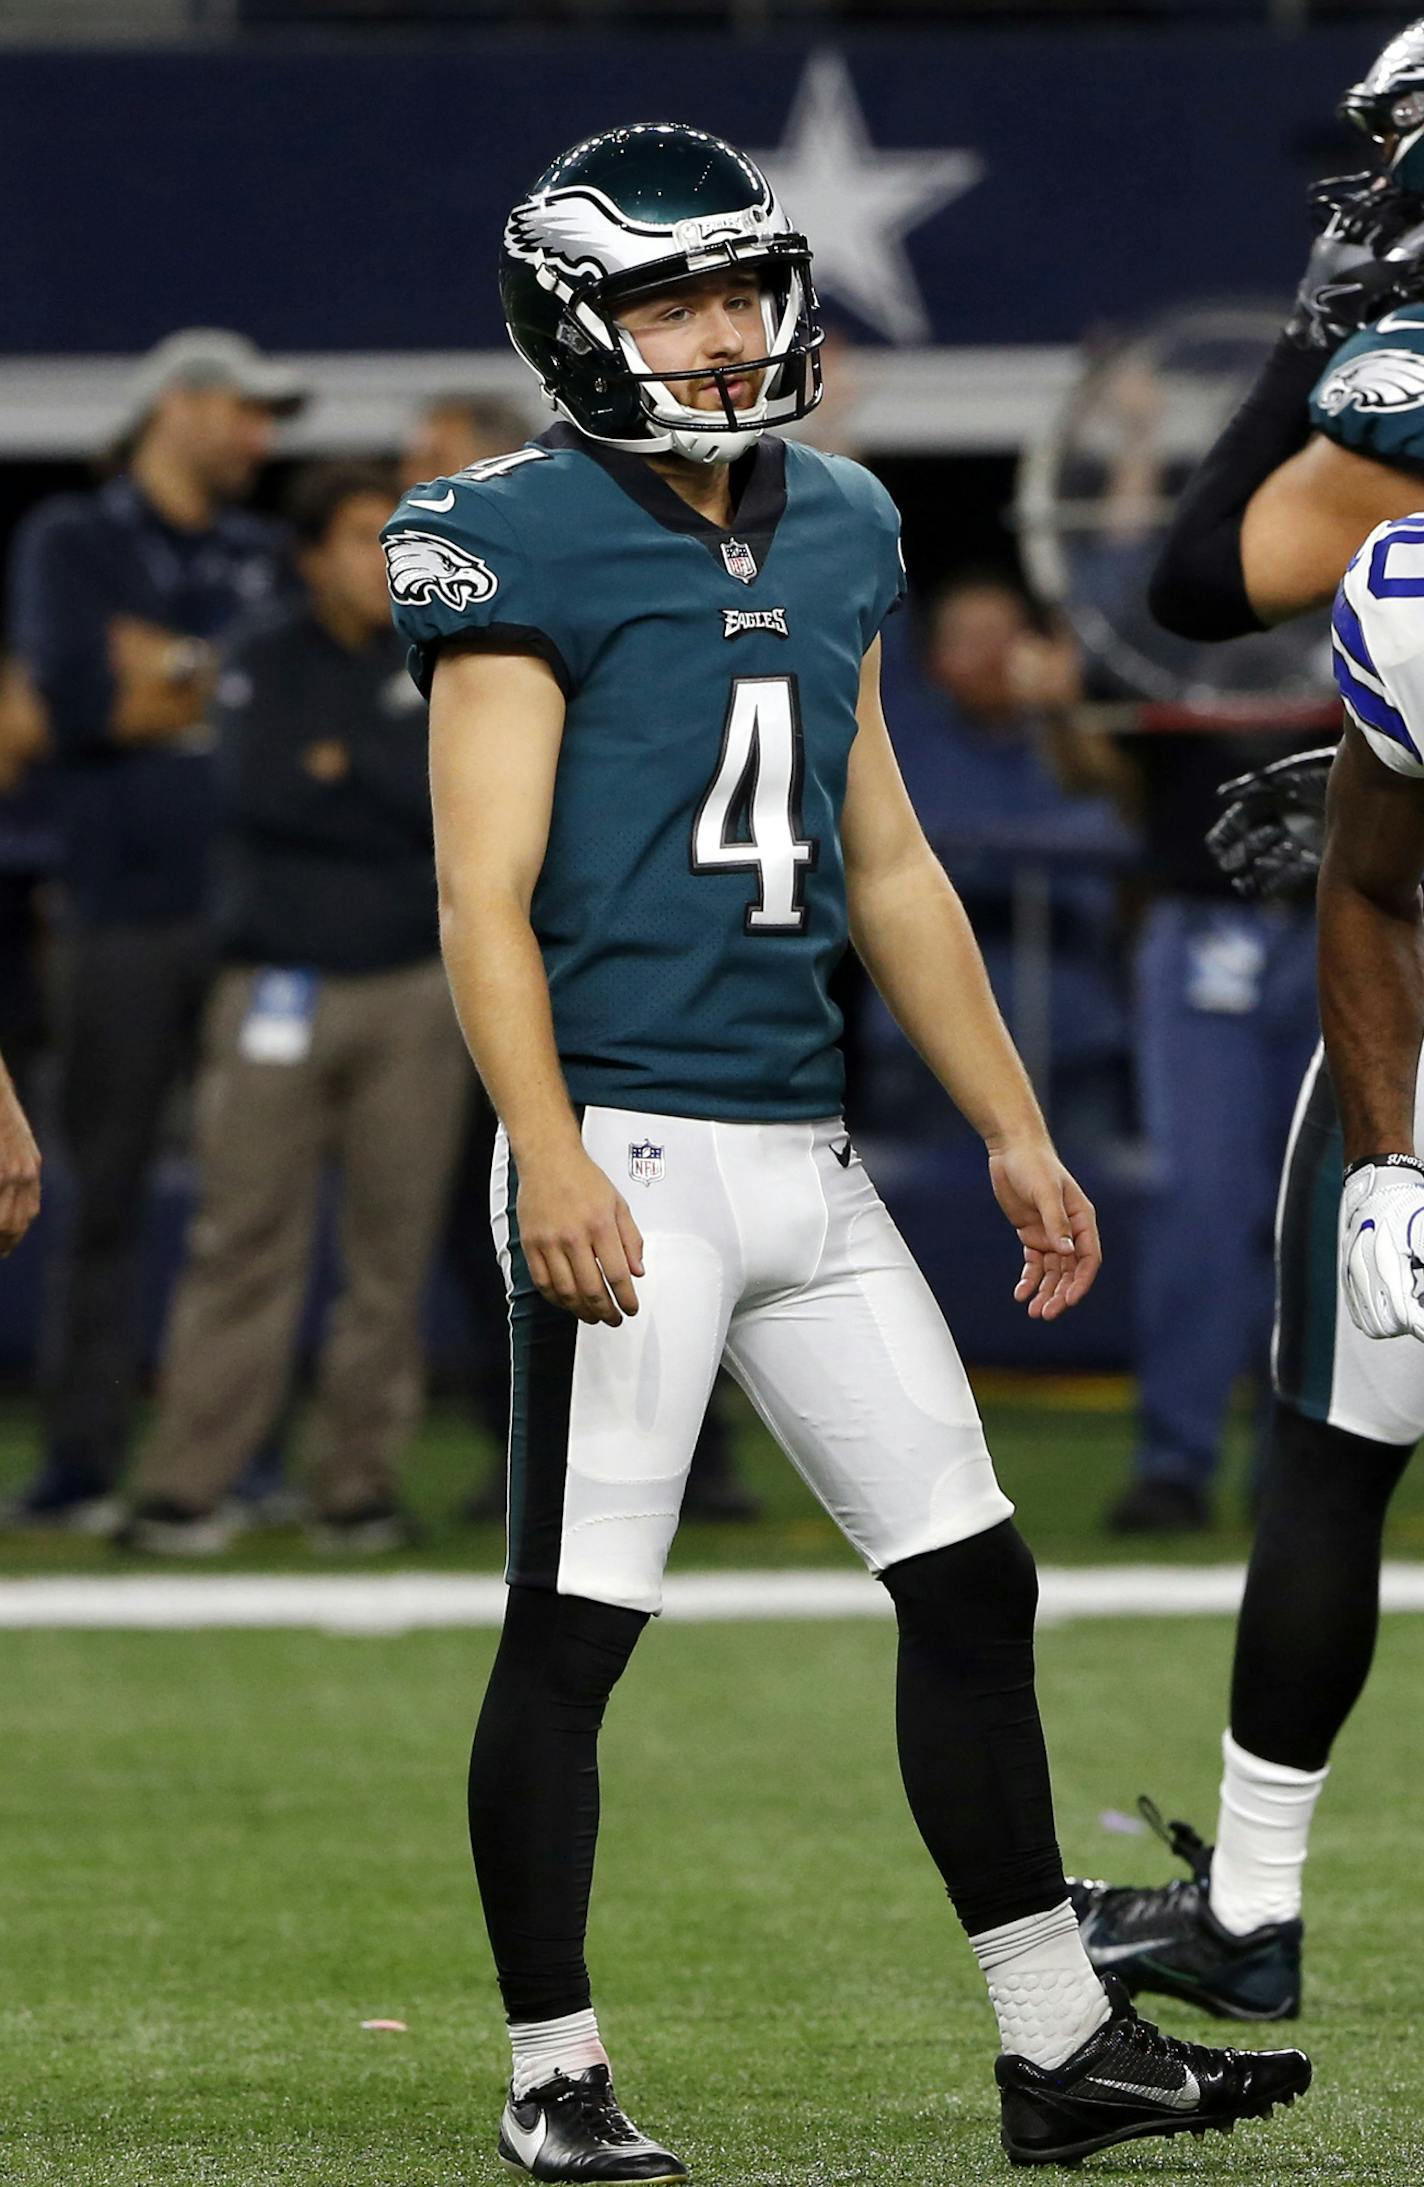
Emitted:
pixel 749 817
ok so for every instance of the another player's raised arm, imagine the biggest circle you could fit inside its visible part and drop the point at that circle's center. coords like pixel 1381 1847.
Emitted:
pixel 916 942
pixel 496 723
pixel 1302 526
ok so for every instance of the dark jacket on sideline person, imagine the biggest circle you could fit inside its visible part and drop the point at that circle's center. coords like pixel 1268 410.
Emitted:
pixel 135 821
pixel 325 858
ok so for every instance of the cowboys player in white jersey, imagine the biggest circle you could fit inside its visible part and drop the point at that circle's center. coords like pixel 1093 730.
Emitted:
pixel 1330 442
pixel 664 795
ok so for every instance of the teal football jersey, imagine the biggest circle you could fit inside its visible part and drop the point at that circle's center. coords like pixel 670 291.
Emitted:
pixel 1371 395
pixel 691 908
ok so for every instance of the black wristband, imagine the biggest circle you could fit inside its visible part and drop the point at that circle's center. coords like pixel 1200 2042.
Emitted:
pixel 1197 588
pixel 1384 1161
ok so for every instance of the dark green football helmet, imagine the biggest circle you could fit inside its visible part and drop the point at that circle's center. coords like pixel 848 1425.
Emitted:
pixel 1387 106
pixel 630 211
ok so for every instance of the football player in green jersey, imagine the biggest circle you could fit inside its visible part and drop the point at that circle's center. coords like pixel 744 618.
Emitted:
pixel 664 799
pixel 1329 445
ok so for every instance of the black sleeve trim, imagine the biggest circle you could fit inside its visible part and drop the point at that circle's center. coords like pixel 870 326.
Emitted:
pixel 500 638
pixel 1197 588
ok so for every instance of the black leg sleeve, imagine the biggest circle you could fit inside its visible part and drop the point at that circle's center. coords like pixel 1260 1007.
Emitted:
pixel 1310 1616
pixel 1198 588
pixel 534 1791
pixel 971 1745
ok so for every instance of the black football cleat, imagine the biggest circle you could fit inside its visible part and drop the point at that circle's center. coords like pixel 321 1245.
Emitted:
pixel 1129 2081
pixel 1165 1938
pixel 571 2128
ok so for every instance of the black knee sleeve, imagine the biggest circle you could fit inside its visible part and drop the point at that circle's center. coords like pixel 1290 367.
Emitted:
pixel 1310 1615
pixel 971 1599
pixel 533 1791
pixel 971 1744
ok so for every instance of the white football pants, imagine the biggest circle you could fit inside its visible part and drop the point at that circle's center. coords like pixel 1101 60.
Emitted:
pixel 1323 1365
pixel 767 1250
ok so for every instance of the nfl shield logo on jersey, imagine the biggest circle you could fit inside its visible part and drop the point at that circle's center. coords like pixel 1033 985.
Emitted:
pixel 645 1163
pixel 740 560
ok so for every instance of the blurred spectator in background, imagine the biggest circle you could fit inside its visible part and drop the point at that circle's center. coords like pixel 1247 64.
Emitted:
pixel 454 430
pixel 19 1167
pixel 1226 1023
pixel 117 600
pixel 330 1036
pixel 976 711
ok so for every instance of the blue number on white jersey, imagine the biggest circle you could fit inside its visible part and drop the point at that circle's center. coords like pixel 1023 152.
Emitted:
pixel 1377 638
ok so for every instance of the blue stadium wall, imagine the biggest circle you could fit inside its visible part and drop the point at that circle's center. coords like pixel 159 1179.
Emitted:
pixel 350 199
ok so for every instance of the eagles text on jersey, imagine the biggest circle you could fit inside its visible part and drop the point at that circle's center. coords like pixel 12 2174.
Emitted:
pixel 691 907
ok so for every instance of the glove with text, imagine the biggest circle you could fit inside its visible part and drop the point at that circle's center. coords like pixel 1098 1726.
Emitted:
pixel 1382 1246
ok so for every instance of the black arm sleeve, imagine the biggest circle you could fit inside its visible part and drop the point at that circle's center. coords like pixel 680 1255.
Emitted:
pixel 1197 588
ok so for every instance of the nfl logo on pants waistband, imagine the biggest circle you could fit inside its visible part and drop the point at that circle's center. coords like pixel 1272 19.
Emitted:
pixel 645 1163
pixel 740 560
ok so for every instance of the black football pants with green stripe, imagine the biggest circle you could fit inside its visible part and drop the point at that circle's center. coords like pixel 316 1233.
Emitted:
pixel 768 1250
pixel 1349 1411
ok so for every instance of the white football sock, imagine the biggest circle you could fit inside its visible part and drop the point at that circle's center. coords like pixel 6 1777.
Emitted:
pixel 543 2048
pixel 1262 1835
pixel 1045 1995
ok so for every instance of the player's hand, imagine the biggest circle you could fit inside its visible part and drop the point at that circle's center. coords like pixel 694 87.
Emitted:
pixel 1363 259
pixel 579 1238
pixel 19 1170
pixel 1382 1249
pixel 23 727
pixel 1269 839
pixel 1056 1225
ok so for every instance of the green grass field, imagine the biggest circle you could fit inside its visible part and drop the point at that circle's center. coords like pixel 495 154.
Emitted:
pixel 224 1851
pixel 220 1852
pixel 1061 1447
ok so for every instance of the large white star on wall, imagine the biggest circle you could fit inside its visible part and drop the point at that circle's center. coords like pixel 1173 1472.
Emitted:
pixel 856 203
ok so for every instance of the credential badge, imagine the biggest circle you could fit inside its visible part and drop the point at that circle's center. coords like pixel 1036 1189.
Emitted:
pixel 740 560
pixel 645 1163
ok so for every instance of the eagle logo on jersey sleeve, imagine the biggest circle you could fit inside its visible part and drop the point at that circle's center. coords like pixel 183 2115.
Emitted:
pixel 422 567
pixel 1380 380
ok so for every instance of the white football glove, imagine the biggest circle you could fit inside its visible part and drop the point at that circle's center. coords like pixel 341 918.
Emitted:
pixel 1382 1248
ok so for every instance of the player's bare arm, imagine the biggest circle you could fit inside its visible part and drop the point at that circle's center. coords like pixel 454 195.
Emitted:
pixel 19 1168
pixel 1302 526
pixel 1316 454
pixel 916 942
pixel 496 721
pixel 1372 949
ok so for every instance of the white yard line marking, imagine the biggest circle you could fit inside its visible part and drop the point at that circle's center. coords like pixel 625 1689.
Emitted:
pixel 402 1602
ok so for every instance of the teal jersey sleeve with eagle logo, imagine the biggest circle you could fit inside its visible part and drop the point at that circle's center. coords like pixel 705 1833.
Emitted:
pixel 691 908
pixel 1370 398
pixel 458 566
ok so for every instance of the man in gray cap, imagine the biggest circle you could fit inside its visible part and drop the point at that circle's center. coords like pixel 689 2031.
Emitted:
pixel 118 601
